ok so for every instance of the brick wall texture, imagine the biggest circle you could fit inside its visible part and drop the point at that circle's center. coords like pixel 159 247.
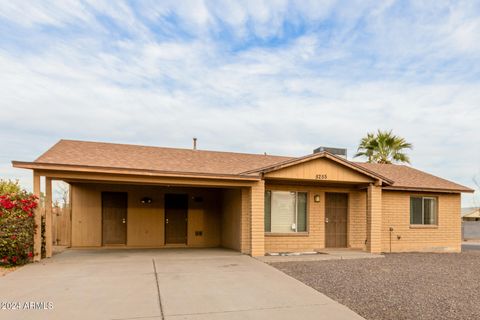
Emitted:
pixel 396 214
pixel 374 219
pixel 372 212
pixel 257 227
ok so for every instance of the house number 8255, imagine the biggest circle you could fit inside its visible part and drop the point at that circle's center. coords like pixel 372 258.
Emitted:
pixel 321 176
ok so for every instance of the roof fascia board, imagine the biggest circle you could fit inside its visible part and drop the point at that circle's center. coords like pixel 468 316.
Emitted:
pixel 128 171
pixel 109 178
pixel 392 188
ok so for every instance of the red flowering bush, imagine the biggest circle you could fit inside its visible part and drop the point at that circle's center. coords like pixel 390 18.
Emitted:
pixel 17 224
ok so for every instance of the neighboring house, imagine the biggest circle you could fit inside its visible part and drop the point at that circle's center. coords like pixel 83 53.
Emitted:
pixel 471 214
pixel 471 223
pixel 139 196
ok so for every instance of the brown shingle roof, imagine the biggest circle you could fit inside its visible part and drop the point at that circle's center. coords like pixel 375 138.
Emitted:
pixel 112 155
pixel 406 177
pixel 174 160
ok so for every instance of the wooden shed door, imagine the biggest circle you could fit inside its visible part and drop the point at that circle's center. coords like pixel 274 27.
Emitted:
pixel 114 216
pixel 336 209
pixel 176 212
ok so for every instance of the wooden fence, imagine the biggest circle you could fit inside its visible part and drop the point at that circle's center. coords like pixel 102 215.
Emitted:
pixel 61 227
pixel 471 230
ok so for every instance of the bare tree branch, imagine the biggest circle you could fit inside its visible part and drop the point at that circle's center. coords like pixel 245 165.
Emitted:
pixel 62 191
pixel 476 181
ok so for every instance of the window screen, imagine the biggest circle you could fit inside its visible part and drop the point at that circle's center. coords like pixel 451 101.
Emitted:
pixel 285 211
pixel 416 211
pixel 423 210
pixel 301 212
pixel 429 211
pixel 268 211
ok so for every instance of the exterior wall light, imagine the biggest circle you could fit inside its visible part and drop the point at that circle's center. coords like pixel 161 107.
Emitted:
pixel 146 200
pixel 316 198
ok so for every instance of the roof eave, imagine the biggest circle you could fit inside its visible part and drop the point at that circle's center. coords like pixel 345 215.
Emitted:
pixel 130 171
pixel 440 190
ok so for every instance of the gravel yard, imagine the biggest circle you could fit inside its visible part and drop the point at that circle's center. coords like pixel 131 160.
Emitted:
pixel 400 286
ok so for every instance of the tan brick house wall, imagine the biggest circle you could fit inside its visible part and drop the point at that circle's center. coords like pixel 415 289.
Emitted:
pixel 357 220
pixel 374 219
pixel 230 224
pixel 245 246
pixel 392 210
pixel 314 238
pixel 396 214
pixel 257 213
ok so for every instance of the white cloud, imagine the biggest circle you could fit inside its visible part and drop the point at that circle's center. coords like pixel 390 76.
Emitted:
pixel 57 13
pixel 353 69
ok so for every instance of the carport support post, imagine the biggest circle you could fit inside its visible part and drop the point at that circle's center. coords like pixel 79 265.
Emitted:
pixel 374 218
pixel 257 217
pixel 37 238
pixel 48 217
pixel 245 246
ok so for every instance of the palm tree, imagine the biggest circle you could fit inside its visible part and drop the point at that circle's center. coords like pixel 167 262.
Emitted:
pixel 383 147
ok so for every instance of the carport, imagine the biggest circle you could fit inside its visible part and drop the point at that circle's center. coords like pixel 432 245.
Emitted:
pixel 138 211
pixel 154 216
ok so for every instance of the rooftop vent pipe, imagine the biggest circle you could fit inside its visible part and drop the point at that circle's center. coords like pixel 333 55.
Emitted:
pixel 194 143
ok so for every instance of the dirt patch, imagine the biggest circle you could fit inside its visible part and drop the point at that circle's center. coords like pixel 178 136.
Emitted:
pixel 400 286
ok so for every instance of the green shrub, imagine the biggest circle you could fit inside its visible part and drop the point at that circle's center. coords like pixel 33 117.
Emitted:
pixel 17 224
pixel 7 187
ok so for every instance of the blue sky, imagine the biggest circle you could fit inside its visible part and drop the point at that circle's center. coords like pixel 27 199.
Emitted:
pixel 281 77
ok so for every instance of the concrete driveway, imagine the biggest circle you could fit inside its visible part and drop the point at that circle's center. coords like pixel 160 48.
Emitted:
pixel 160 284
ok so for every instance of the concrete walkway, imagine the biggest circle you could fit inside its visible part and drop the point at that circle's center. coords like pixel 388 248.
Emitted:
pixel 325 254
pixel 162 284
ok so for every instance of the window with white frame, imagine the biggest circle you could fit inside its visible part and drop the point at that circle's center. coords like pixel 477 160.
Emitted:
pixel 423 210
pixel 285 211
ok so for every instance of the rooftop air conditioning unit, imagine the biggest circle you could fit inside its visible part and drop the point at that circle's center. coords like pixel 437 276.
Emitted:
pixel 341 152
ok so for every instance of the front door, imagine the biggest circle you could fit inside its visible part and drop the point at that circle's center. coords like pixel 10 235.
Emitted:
pixel 114 218
pixel 176 212
pixel 336 209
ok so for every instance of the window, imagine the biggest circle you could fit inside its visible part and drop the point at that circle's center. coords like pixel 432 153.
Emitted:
pixel 423 210
pixel 285 211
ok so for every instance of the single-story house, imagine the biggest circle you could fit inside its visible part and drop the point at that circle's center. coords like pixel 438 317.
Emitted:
pixel 155 197
pixel 471 214
pixel 471 223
